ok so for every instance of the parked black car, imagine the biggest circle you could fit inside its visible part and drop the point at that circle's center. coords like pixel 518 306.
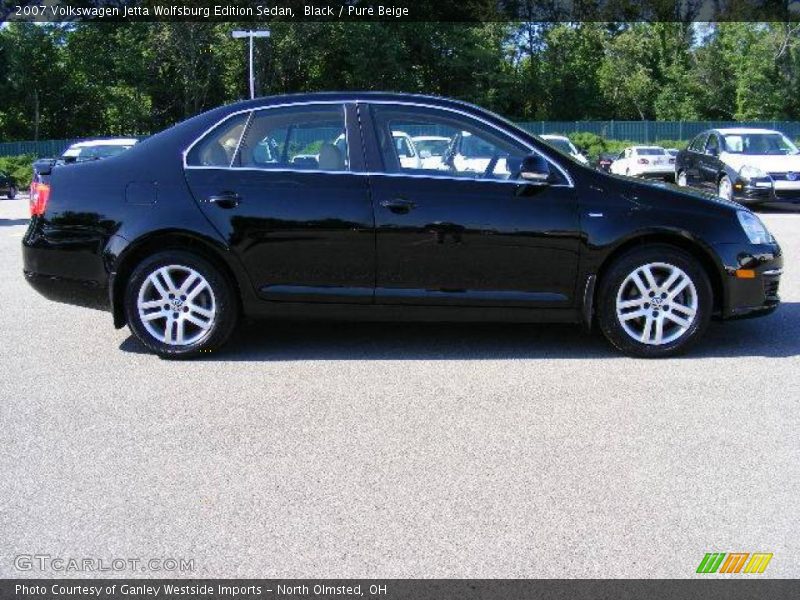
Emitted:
pixel 745 164
pixel 605 159
pixel 263 209
pixel 8 186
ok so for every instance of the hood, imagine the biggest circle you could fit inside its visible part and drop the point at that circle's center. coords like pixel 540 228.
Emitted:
pixel 682 198
pixel 771 163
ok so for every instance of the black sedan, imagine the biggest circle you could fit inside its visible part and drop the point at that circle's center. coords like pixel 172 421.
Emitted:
pixel 301 207
pixel 8 186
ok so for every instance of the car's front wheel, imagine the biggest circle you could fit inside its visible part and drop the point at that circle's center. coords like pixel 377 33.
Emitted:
pixel 178 304
pixel 681 179
pixel 654 302
pixel 12 193
pixel 725 189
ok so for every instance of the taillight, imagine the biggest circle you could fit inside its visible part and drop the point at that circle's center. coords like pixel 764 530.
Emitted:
pixel 40 194
pixel 644 161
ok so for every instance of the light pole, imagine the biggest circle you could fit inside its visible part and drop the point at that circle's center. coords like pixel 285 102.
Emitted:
pixel 263 33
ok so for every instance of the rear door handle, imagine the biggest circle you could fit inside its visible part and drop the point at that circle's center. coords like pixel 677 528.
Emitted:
pixel 399 206
pixel 225 199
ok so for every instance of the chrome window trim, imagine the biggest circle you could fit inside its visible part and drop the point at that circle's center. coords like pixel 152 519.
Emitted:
pixel 343 104
pixel 252 112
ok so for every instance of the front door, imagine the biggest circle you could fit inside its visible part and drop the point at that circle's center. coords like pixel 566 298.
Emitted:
pixel 464 230
pixel 285 197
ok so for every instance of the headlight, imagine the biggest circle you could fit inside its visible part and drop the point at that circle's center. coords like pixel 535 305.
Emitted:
pixel 748 172
pixel 755 230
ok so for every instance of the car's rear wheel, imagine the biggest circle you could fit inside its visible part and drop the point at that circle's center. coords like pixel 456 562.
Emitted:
pixel 178 304
pixel 654 302
pixel 12 193
pixel 725 188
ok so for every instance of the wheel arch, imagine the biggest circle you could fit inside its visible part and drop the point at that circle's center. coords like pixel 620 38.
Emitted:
pixel 159 241
pixel 686 243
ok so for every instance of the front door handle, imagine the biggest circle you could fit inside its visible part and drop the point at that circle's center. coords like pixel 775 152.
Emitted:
pixel 399 206
pixel 225 199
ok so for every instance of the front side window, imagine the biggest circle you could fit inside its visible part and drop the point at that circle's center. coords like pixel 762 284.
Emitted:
pixel 473 150
pixel 217 148
pixel 298 137
pixel 713 144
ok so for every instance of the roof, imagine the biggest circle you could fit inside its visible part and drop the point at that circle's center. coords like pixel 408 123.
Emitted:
pixel 552 136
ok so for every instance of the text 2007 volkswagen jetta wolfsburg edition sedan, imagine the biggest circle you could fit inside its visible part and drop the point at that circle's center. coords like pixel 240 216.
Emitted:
pixel 300 206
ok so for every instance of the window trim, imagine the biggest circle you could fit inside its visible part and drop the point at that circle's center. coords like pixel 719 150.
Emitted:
pixel 343 103
pixel 249 121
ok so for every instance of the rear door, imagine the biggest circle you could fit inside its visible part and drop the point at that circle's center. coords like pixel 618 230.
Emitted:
pixel 286 189
pixel 692 160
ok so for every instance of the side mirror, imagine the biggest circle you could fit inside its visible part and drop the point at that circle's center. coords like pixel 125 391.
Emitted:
pixel 535 169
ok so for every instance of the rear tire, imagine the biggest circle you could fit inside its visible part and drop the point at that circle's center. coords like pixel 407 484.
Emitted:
pixel 654 302
pixel 179 305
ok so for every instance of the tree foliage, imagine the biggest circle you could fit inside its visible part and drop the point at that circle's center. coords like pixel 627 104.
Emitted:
pixel 83 79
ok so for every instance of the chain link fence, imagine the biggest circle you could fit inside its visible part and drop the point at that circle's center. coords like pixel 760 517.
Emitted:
pixel 634 131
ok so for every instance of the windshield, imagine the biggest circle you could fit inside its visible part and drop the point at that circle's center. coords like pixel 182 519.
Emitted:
pixel 92 152
pixel 434 147
pixel 759 144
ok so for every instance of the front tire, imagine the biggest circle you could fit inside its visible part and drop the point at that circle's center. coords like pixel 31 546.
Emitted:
pixel 725 188
pixel 179 305
pixel 681 179
pixel 654 302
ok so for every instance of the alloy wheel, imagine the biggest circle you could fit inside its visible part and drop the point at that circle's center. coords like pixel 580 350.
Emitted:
pixel 176 305
pixel 657 304
pixel 725 189
pixel 682 179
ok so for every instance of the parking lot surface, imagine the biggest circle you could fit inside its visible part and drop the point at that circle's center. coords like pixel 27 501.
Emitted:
pixel 375 450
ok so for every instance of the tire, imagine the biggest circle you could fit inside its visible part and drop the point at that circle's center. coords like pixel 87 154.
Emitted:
pixel 12 193
pixel 621 296
pixel 725 188
pixel 191 306
pixel 681 179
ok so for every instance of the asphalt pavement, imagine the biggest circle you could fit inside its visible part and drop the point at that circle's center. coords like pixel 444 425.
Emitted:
pixel 392 451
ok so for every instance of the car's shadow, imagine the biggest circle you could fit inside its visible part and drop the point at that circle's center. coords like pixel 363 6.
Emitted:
pixel 777 335
pixel 777 208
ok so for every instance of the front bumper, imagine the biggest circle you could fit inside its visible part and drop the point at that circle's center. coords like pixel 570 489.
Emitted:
pixel 756 192
pixel 751 279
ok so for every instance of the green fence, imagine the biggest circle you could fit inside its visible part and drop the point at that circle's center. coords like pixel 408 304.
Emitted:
pixel 635 131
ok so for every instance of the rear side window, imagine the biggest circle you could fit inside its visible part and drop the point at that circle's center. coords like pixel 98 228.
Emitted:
pixel 298 137
pixel 218 147
pixel 698 143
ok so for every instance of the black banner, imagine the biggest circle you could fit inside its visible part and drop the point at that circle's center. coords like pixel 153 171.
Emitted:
pixel 735 588
pixel 263 11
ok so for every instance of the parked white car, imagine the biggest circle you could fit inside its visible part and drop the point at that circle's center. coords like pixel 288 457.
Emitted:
pixel 432 149
pixel 96 149
pixel 644 161
pixel 563 144
pixel 406 150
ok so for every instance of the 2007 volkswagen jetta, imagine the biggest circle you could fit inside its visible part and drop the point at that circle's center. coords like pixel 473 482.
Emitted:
pixel 318 206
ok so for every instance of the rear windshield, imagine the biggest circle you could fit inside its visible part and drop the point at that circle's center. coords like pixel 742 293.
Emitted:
pixel 563 145
pixel 650 151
